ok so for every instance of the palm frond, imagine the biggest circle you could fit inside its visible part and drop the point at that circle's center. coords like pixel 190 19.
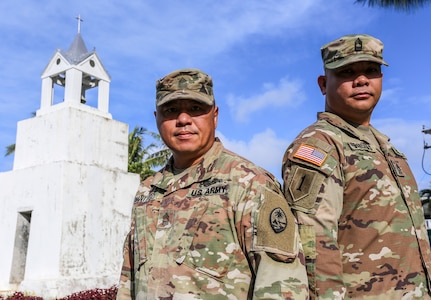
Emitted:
pixel 406 5
pixel 10 150
pixel 143 158
pixel 158 158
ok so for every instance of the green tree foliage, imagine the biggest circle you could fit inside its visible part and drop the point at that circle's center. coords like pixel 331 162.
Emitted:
pixel 144 158
pixel 406 5
pixel 10 150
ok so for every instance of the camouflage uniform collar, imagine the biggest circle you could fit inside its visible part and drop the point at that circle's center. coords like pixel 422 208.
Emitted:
pixel 166 180
pixel 337 121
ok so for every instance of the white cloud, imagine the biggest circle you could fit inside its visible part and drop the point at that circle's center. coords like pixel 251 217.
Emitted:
pixel 407 137
pixel 265 149
pixel 287 93
pixel 390 95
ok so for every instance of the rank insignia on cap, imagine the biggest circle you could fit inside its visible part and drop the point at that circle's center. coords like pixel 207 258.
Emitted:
pixel 358 45
pixel 278 220
pixel 310 154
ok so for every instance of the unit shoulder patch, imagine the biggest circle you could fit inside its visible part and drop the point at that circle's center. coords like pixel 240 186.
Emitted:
pixel 303 186
pixel 276 227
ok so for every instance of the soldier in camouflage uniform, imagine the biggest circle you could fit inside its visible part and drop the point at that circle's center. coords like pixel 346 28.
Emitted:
pixel 210 224
pixel 356 200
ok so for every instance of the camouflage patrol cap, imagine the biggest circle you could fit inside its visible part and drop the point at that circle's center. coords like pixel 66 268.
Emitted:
pixel 350 49
pixel 190 84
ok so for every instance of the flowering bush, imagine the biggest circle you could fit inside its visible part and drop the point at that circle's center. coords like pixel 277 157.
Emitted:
pixel 96 294
pixel 21 296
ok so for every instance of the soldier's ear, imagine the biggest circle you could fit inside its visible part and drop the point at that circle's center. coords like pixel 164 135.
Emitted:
pixel 321 81
pixel 216 116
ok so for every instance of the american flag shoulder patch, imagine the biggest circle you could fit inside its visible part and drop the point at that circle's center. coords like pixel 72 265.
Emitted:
pixel 310 154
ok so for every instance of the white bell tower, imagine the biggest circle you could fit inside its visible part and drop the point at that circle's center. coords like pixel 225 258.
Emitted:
pixel 83 71
pixel 65 206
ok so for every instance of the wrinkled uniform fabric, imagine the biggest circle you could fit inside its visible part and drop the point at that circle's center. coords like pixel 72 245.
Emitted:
pixel 221 229
pixel 359 212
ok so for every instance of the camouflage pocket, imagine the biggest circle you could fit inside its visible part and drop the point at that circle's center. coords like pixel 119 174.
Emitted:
pixel 308 238
pixel 211 247
pixel 139 239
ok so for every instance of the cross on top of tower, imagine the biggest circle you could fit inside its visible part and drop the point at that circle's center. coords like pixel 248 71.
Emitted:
pixel 79 23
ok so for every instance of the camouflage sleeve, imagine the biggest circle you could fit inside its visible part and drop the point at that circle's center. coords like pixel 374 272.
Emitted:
pixel 125 289
pixel 277 251
pixel 314 188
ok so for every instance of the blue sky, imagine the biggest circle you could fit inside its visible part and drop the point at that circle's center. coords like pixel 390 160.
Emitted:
pixel 264 57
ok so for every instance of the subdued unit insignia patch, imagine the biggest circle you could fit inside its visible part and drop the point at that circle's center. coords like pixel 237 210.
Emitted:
pixel 276 225
pixel 310 154
pixel 278 220
pixel 303 186
pixel 302 183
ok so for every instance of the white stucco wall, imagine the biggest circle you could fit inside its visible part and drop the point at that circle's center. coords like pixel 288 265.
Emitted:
pixel 80 216
pixel 75 134
pixel 70 172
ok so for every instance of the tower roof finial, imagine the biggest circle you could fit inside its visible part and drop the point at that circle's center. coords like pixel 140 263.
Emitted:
pixel 79 23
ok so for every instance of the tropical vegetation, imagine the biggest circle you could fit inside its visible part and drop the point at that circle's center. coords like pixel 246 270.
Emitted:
pixel 143 158
pixel 406 5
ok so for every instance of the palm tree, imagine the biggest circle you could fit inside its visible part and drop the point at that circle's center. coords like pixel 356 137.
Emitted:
pixel 406 5
pixel 142 159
